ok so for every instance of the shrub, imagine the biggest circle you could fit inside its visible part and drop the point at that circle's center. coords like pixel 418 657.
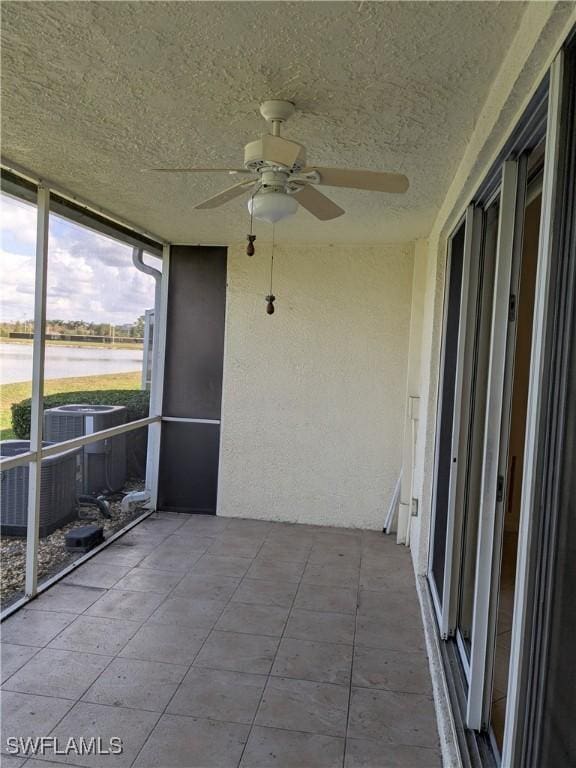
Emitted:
pixel 135 400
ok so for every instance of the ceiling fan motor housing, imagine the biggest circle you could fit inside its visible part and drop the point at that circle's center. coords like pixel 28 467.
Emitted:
pixel 274 152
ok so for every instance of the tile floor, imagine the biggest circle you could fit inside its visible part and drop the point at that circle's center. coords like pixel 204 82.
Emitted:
pixel 203 641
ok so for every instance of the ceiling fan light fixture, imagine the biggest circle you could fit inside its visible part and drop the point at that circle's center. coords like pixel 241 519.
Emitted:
pixel 272 206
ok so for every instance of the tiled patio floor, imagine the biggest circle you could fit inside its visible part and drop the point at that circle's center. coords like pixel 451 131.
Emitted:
pixel 204 641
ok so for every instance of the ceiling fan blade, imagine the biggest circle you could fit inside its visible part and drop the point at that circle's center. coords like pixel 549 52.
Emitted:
pixel 318 204
pixel 225 196
pixel 356 179
pixel 275 149
pixel 198 170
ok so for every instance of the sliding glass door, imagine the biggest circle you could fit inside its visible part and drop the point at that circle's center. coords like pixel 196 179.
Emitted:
pixel 479 346
pixel 482 561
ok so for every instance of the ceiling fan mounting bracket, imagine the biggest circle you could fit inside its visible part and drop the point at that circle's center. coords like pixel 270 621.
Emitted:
pixel 276 110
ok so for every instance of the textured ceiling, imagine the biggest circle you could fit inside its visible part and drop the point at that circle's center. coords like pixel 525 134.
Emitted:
pixel 94 92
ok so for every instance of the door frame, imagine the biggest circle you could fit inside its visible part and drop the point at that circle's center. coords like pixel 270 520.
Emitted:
pixel 439 600
pixel 492 497
pixel 516 720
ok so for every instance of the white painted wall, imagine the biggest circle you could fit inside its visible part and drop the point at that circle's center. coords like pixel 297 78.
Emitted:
pixel 314 396
pixel 413 379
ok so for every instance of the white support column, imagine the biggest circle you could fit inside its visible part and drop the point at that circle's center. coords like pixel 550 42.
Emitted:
pixel 157 383
pixel 37 413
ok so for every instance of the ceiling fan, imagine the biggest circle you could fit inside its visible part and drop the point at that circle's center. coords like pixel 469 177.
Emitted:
pixel 279 179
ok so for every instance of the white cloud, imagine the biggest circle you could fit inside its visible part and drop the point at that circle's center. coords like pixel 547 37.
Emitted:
pixel 90 276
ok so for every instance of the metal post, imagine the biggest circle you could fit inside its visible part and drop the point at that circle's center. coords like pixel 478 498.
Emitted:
pixel 37 412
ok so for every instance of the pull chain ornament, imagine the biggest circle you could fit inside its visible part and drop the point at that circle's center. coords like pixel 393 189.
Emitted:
pixel 270 299
pixel 250 250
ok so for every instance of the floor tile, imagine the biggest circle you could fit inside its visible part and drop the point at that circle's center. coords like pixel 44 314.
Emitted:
pixel 299 705
pixel 207 587
pixel 399 603
pixel 313 597
pixel 320 662
pixel 389 633
pixel 236 546
pixel 218 695
pixel 25 715
pixel 119 604
pixel 14 657
pixel 405 671
pixel 9 761
pixel 137 684
pixel 149 580
pixel 389 580
pixel 188 540
pixel 132 726
pixel 199 614
pixel 337 558
pixel 238 600
pixel 284 552
pixel 290 749
pixel 174 560
pixel 140 539
pixel 162 526
pixel 66 598
pixel 211 525
pixel 321 626
pixel 235 567
pixel 249 527
pixel 171 643
pixel 238 652
pixel 258 592
pixel 397 718
pixel 367 753
pixel 275 570
pixel 95 574
pixel 184 742
pixel 128 555
pixel 95 635
pixel 65 674
pixel 253 619
pixel 36 628
pixel 330 576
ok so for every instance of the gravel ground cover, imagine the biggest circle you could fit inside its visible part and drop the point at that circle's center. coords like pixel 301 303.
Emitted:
pixel 52 553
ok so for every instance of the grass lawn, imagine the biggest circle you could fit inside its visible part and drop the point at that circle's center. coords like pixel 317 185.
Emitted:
pixel 13 393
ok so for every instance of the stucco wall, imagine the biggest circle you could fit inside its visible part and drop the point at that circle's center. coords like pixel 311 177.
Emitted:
pixel 403 532
pixel 313 402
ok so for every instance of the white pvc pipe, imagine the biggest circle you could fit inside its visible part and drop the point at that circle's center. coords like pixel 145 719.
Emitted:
pixel 133 498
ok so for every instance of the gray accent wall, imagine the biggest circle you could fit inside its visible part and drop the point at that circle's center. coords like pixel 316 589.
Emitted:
pixel 189 452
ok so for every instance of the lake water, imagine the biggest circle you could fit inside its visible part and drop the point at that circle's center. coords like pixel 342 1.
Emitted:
pixel 61 362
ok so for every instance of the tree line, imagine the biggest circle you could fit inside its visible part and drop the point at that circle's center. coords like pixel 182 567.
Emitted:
pixel 77 327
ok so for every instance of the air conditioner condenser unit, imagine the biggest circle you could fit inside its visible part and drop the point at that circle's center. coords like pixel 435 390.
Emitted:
pixel 104 462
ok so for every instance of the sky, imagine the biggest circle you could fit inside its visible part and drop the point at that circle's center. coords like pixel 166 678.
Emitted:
pixel 90 276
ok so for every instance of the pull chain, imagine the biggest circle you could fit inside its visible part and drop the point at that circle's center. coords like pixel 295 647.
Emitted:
pixel 250 250
pixel 271 298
